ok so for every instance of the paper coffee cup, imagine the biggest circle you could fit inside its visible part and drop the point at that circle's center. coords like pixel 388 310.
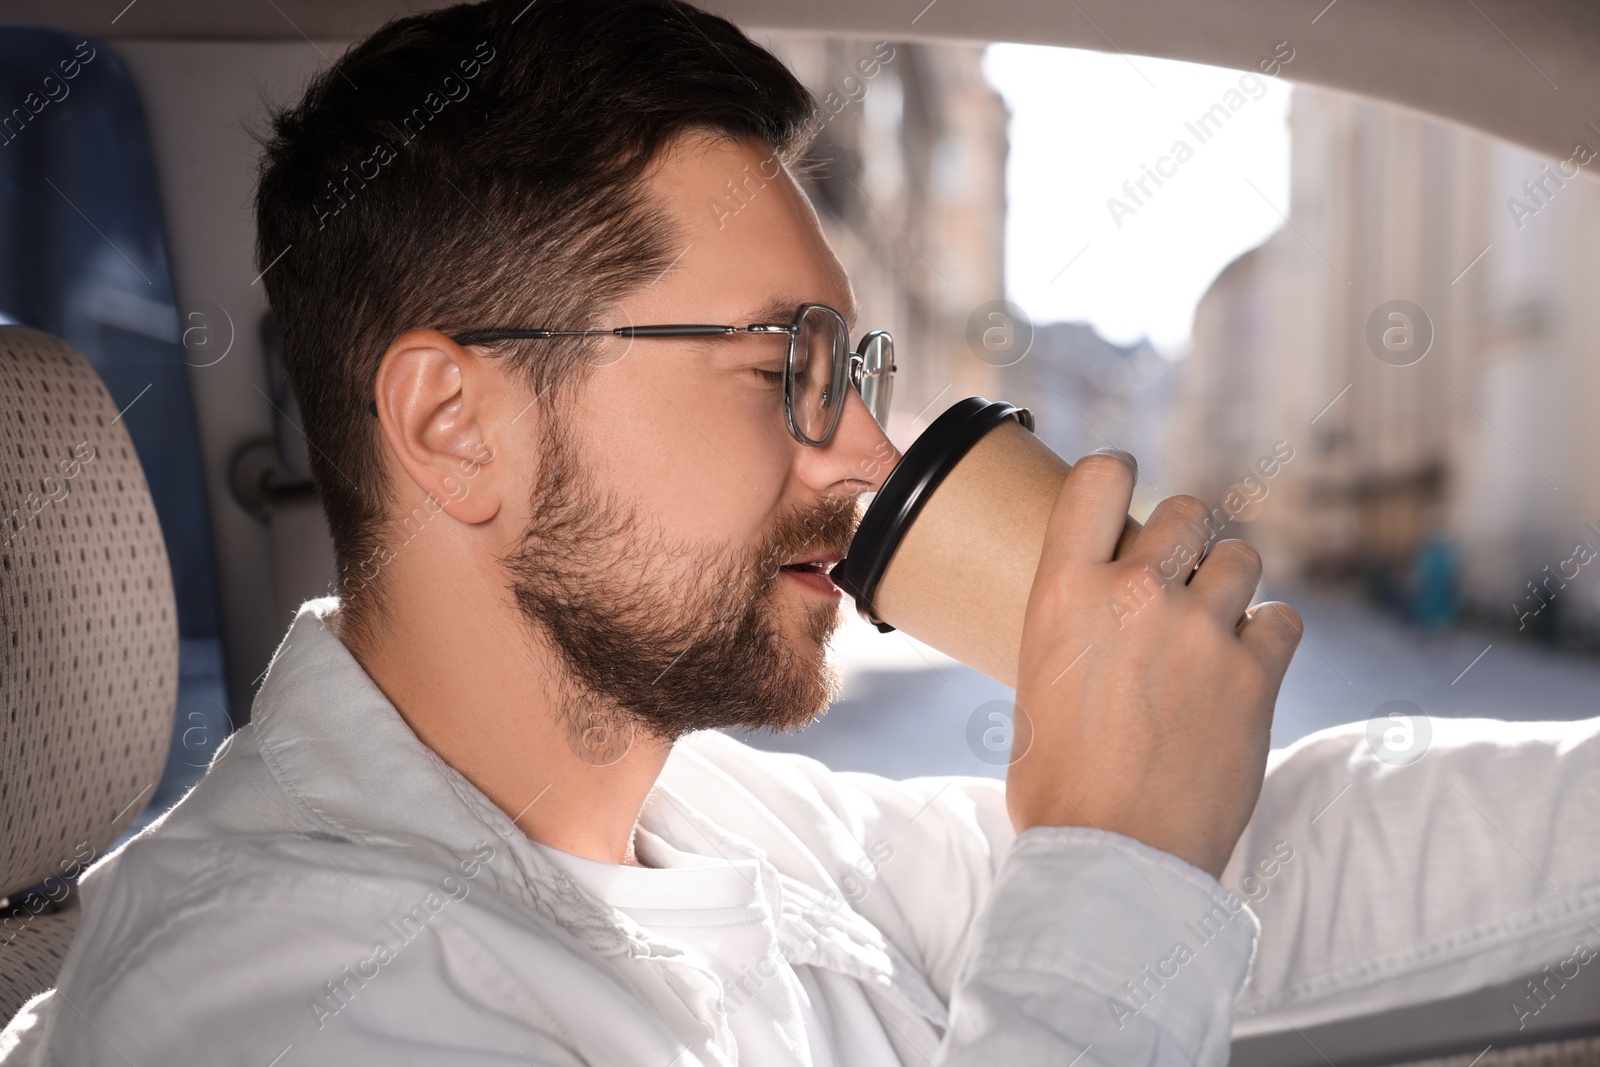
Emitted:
pixel 948 548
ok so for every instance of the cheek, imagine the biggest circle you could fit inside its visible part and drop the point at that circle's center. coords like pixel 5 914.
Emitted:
pixel 699 464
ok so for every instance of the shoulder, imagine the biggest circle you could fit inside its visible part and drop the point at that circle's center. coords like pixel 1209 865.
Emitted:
pixel 196 950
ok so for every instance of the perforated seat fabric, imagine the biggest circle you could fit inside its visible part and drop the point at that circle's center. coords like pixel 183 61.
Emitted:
pixel 31 951
pixel 88 630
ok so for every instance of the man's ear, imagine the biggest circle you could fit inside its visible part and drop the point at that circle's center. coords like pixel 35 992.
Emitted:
pixel 435 400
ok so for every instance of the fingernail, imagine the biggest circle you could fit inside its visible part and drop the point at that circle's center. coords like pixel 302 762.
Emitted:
pixel 1126 457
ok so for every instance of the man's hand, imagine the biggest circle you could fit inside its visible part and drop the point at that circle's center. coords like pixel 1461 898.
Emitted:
pixel 1145 701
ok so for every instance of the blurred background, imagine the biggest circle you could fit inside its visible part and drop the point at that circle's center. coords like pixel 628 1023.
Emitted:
pixel 1220 271
pixel 1360 334
pixel 1227 274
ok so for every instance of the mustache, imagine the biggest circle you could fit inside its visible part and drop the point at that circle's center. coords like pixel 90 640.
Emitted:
pixel 825 528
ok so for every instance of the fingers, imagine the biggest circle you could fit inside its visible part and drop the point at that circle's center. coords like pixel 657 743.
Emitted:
pixel 1130 533
pixel 1227 579
pixel 1272 630
pixel 1171 542
pixel 1090 513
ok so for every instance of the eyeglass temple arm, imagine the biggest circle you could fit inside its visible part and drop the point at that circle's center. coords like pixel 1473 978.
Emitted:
pixel 482 337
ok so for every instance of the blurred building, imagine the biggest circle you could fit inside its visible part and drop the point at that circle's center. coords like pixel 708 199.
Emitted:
pixel 1421 334
pixel 1086 393
pixel 908 176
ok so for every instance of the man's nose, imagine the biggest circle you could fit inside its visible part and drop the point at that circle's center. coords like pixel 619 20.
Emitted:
pixel 857 459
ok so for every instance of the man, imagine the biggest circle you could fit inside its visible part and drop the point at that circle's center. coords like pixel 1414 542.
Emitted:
pixel 483 814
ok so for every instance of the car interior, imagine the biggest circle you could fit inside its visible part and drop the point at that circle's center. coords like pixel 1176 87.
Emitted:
pixel 158 519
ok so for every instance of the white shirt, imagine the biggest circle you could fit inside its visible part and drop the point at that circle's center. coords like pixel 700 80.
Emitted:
pixel 724 915
pixel 334 893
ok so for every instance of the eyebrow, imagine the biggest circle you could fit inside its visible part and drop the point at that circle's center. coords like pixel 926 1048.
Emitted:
pixel 781 309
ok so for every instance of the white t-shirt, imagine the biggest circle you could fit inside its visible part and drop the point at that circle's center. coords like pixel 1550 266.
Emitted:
pixel 720 911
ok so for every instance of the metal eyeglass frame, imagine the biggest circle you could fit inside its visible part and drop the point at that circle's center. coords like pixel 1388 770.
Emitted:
pixel 870 369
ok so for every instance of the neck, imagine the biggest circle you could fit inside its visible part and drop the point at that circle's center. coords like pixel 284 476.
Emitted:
pixel 462 667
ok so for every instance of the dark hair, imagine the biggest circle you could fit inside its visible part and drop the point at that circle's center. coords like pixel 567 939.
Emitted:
pixel 479 166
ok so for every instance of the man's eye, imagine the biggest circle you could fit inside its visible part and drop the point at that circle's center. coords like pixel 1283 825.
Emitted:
pixel 771 377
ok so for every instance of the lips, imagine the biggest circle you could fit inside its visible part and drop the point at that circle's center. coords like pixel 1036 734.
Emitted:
pixel 814 564
pixel 811 573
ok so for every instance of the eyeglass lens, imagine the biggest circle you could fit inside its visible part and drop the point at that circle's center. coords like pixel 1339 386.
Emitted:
pixel 821 372
pixel 875 357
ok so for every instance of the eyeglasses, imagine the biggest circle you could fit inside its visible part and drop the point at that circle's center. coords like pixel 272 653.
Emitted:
pixel 818 366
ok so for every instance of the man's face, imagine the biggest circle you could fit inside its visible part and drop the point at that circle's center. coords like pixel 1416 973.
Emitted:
pixel 673 508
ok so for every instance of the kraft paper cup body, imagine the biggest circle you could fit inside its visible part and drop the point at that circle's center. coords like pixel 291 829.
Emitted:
pixel 961 572
pixel 960 579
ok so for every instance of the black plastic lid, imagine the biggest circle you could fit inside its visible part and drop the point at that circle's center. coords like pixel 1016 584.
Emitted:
pixel 931 456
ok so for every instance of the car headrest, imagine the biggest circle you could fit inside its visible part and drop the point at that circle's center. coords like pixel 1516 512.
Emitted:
pixel 88 624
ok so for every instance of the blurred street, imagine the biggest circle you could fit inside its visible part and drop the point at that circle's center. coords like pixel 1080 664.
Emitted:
pixel 909 711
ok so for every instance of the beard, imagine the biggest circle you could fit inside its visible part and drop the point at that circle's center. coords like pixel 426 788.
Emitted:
pixel 661 637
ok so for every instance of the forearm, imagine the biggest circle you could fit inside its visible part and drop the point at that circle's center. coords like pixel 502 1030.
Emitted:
pixel 1095 949
pixel 1475 864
